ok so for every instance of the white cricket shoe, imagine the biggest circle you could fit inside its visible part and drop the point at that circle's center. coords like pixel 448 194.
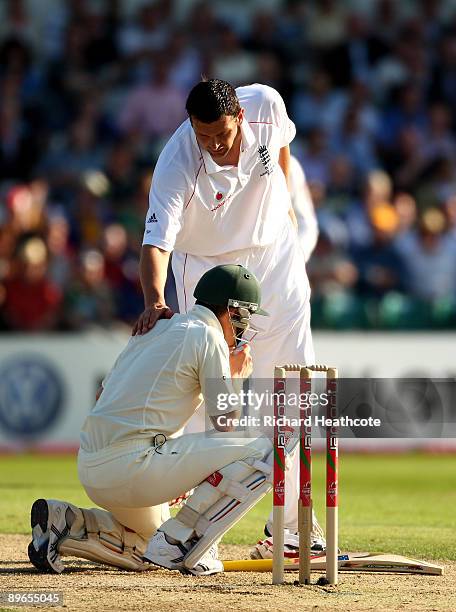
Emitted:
pixel 51 521
pixel 171 556
pixel 208 564
pixel 264 548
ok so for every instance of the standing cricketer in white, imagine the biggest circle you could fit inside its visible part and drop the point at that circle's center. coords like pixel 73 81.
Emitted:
pixel 219 195
pixel 129 461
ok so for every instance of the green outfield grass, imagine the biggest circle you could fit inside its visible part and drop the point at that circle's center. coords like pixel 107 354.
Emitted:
pixel 390 503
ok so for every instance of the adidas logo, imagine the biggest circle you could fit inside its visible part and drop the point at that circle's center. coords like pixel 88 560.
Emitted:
pixel 152 219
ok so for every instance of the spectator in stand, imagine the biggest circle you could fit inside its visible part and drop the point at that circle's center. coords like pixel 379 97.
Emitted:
pixel 32 302
pixel 68 75
pixel 331 270
pixel 386 21
pixel 407 110
pixel 357 56
pixel 439 139
pixel 101 50
pixel 203 28
pixel 340 193
pixel 318 105
pixel 154 109
pixel 146 34
pixel 264 34
pixel 20 114
pixel 132 216
pixel 443 78
pixel 438 184
pixel 231 62
pixel 7 245
pixel 78 154
pixel 60 253
pixel 356 143
pixel 89 299
pixel 316 157
pixel 122 274
pixel 380 265
pixel 16 23
pixel 291 31
pixel 432 16
pixel 360 98
pixel 407 213
pixel 340 197
pixel 378 190
pixel 18 154
pixel 449 208
pixel 186 64
pixel 326 26
pixel 121 174
pixel 408 62
pixel 269 71
pixel 26 209
pixel 406 162
pixel 91 211
pixel 429 254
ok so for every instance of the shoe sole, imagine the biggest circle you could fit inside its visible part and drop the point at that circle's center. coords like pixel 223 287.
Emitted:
pixel 171 567
pixel 203 573
pixel 183 570
pixel 39 516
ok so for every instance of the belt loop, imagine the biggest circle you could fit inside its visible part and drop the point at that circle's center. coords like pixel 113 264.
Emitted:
pixel 158 440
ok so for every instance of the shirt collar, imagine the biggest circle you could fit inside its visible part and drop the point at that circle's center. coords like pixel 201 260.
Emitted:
pixel 207 316
pixel 248 137
pixel 247 141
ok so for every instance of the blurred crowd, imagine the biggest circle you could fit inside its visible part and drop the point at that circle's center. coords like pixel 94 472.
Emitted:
pixel 91 91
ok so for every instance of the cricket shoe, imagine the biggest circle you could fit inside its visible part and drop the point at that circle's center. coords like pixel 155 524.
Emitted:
pixel 264 549
pixel 208 564
pixel 171 556
pixel 51 522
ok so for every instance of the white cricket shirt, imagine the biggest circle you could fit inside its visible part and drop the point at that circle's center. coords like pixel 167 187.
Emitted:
pixel 160 379
pixel 198 207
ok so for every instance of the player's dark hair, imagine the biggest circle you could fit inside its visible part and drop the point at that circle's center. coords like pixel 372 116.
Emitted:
pixel 210 100
pixel 215 308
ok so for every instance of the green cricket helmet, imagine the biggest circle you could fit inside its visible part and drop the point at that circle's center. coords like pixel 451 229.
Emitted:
pixel 230 285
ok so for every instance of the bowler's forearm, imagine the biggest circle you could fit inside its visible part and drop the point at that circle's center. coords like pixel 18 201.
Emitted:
pixel 284 161
pixel 153 268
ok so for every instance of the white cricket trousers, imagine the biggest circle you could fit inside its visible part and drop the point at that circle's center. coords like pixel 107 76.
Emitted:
pixel 134 480
pixel 284 336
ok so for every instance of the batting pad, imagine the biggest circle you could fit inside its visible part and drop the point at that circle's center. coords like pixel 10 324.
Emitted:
pixel 220 501
pixel 106 541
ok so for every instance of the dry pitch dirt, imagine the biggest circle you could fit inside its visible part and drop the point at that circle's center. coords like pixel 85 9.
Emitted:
pixel 89 587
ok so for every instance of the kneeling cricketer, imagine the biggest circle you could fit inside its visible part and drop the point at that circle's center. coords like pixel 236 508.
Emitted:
pixel 131 465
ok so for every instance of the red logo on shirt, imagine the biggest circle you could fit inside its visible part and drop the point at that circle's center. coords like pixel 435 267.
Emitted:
pixel 221 200
pixel 215 479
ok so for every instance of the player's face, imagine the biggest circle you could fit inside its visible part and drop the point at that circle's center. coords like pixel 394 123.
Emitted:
pixel 219 137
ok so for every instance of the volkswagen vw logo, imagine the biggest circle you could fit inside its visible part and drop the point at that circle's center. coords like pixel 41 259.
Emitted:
pixel 31 395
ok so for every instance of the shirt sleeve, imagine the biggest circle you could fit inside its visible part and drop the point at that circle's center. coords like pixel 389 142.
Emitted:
pixel 279 115
pixel 166 205
pixel 219 392
pixel 303 208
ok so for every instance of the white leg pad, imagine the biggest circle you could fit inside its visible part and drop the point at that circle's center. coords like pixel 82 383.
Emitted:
pixel 256 478
pixel 106 541
pixel 226 512
pixel 220 501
